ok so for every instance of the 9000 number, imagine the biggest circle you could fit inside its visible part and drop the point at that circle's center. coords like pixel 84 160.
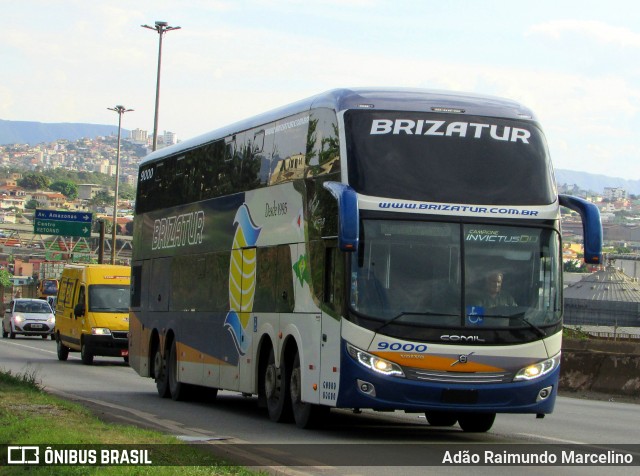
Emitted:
pixel 408 347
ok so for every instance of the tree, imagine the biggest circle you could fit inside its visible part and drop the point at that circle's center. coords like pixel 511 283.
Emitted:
pixel 31 204
pixel 33 181
pixel 101 198
pixel 5 278
pixel 574 266
pixel 127 192
pixel 66 187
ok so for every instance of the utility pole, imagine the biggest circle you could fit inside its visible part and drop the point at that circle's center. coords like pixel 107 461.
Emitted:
pixel 161 27
pixel 120 110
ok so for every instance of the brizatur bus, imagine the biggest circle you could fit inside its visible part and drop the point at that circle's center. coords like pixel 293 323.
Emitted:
pixel 336 253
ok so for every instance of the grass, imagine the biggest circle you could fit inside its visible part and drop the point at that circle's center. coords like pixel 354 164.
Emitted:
pixel 30 416
pixel 575 333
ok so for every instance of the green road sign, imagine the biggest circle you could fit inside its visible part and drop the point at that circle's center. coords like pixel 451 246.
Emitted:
pixel 62 228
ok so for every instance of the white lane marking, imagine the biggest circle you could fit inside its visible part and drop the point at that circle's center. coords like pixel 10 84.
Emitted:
pixel 550 438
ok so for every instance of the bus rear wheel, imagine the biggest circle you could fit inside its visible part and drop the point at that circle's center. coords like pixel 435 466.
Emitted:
pixel 476 422
pixel 306 415
pixel 160 374
pixel 276 390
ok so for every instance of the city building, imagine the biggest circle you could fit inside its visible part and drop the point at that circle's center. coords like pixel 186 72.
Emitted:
pixel 139 136
pixel 615 193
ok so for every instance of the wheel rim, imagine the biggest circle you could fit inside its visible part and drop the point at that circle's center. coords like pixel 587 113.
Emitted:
pixel 157 366
pixel 296 391
pixel 270 382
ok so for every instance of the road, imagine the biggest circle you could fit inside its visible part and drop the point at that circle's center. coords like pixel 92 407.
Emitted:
pixel 115 391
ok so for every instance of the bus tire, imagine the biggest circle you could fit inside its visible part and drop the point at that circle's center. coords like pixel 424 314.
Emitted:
pixel 276 390
pixel 160 374
pixel 179 391
pixel 85 354
pixel 476 422
pixel 441 418
pixel 306 415
pixel 63 350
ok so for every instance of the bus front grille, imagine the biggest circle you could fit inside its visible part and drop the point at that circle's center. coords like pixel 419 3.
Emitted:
pixel 458 377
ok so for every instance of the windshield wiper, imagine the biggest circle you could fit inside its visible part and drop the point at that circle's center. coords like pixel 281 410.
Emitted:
pixel 520 317
pixel 408 313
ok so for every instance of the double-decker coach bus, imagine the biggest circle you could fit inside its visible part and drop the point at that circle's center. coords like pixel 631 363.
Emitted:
pixel 366 248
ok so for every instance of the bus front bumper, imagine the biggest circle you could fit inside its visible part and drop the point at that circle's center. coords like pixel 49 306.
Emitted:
pixel 363 388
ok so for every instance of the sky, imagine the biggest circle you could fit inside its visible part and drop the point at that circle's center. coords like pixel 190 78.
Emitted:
pixel 576 64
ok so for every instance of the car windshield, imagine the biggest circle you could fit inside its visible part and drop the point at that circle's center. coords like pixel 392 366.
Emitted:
pixel 108 298
pixel 34 307
pixel 423 274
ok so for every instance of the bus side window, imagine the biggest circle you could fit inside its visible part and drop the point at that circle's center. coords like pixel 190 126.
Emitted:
pixel 136 286
pixel 334 279
pixel 266 278
pixel 286 298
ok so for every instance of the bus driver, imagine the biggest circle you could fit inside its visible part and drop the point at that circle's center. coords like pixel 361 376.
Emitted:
pixel 494 295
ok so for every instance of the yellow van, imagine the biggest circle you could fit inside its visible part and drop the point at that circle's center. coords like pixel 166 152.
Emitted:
pixel 92 311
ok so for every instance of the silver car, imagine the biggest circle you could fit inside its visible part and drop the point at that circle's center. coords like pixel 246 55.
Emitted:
pixel 29 317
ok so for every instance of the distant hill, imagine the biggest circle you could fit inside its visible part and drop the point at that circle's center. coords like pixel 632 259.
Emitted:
pixel 32 133
pixel 594 182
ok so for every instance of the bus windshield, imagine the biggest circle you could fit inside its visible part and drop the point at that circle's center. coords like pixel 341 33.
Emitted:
pixel 437 157
pixel 108 298
pixel 451 275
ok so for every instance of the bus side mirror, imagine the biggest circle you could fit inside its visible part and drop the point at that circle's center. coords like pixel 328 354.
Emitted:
pixel 591 226
pixel 348 219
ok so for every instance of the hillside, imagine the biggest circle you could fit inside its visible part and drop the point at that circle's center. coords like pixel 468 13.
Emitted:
pixel 32 133
pixel 594 182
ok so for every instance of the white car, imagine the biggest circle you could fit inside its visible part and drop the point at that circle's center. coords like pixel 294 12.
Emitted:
pixel 29 317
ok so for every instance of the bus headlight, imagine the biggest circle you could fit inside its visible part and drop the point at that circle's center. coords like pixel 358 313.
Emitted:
pixel 100 331
pixel 539 369
pixel 374 363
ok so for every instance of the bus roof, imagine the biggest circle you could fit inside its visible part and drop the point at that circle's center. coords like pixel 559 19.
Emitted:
pixel 398 99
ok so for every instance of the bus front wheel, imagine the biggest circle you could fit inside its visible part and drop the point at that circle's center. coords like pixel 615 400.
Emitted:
pixel 476 422
pixel 276 390
pixel 441 418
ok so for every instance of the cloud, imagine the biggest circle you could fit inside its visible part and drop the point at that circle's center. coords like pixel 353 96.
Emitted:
pixel 596 30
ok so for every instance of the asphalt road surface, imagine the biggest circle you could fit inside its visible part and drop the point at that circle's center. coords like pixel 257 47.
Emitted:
pixel 367 443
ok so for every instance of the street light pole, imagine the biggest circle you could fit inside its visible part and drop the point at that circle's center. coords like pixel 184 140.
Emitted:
pixel 120 110
pixel 161 27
